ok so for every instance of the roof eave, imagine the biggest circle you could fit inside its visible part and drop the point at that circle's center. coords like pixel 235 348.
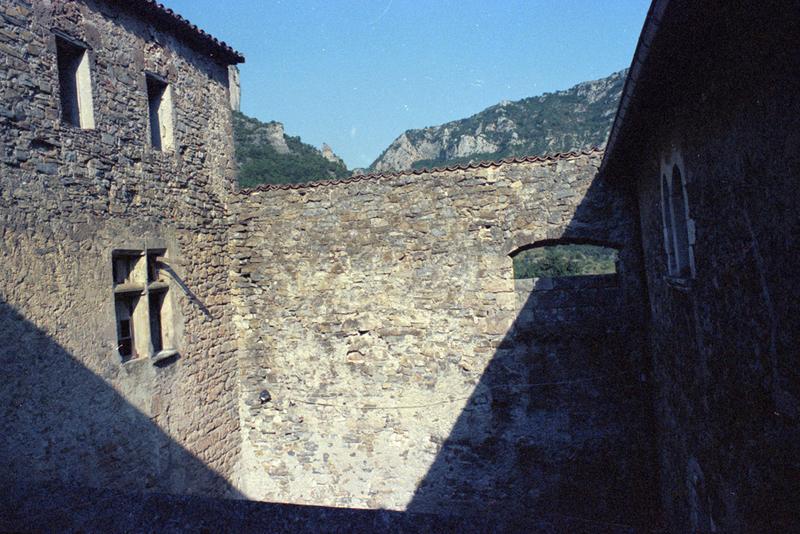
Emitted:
pixel 649 30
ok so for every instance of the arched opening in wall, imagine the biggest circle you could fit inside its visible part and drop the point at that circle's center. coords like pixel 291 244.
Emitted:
pixel 566 284
pixel 550 259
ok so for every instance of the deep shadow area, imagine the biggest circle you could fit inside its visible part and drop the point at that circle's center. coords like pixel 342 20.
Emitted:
pixel 57 508
pixel 556 427
pixel 559 427
pixel 61 423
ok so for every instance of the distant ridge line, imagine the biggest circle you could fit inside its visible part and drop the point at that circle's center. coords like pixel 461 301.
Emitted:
pixel 557 156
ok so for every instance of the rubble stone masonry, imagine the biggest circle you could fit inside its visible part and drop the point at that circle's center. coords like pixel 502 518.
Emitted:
pixel 71 410
pixel 402 366
pixel 406 368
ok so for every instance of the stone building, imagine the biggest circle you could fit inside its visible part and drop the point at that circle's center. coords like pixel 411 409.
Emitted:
pixel 118 350
pixel 707 134
pixel 359 351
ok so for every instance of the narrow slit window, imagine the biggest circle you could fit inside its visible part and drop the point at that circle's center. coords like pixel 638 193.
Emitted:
pixel 680 228
pixel 666 214
pixel 156 332
pixel 159 102
pixel 75 83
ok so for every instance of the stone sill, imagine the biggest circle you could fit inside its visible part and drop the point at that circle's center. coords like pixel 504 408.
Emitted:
pixel 163 355
pixel 157 286
pixel 153 359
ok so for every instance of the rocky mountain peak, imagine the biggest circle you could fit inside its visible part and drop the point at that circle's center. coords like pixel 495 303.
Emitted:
pixel 570 119
pixel 328 154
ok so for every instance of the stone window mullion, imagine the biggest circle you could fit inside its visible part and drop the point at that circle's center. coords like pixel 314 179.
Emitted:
pixel 143 306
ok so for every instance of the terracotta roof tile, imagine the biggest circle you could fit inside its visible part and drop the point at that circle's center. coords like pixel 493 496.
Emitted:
pixel 415 172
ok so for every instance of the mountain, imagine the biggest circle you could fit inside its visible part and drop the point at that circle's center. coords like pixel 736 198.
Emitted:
pixel 572 119
pixel 265 154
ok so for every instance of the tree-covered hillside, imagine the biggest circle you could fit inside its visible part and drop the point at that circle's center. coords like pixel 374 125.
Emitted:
pixel 567 120
pixel 265 155
pixel 565 260
pixel 572 119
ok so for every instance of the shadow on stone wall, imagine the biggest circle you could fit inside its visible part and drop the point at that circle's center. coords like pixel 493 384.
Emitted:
pixel 118 478
pixel 559 427
pixel 556 428
pixel 555 437
pixel 62 423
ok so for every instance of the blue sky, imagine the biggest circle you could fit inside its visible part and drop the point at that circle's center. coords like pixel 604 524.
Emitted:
pixel 356 73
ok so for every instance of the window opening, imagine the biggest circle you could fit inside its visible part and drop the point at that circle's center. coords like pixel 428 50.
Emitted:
pixel 159 102
pixel 124 265
pixel 680 230
pixel 678 227
pixel 75 84
pixel 666 214
pixel 142 305
pixel 154 258
pixel 564 260
pixel 156 299
pixel 125 306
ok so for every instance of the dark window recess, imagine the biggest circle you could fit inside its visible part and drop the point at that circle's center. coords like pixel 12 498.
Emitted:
pixel 154 266
pixel 155 95
pixel 74 82
pixel 125 306
pixel 125 337
pixel 123 267
pixel 69 58
pixel 667 216
pixel 156 304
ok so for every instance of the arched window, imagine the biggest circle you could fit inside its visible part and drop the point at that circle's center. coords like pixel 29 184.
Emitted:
pixel 564 259
pixel 677 224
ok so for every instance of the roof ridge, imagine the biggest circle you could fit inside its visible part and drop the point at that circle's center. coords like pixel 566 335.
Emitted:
pixel 416 172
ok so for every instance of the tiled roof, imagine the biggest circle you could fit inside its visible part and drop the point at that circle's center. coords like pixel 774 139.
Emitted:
pixel 415 172
pixel 176 23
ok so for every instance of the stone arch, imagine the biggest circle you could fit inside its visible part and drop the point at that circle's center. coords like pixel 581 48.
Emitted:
pixel 565 241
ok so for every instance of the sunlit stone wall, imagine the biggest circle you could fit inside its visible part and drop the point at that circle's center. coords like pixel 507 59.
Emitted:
pixel 72 411
pixel 371 310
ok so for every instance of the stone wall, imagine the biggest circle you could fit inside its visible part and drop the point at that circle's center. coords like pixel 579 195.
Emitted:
pixel 725 342
pixel 71 410
pixel 378 313
pixel 558 424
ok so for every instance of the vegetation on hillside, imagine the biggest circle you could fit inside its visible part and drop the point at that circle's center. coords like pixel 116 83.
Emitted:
pixel 260 163
pixel 576 118
pixel 572 119
pixel 564 260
